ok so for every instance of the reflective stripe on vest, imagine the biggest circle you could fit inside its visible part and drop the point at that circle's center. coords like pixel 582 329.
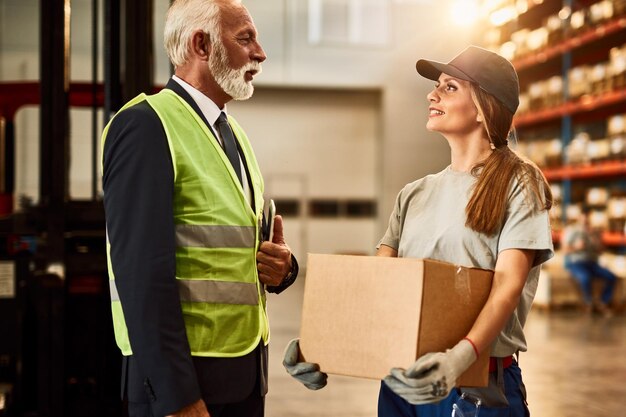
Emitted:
pixel 189 235
pixel 216 292
pixel 115 296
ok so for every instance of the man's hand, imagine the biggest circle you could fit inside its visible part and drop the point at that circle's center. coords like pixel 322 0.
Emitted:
pixel 433 376
pixel 306 372
pixel 274 258
pixel 197 409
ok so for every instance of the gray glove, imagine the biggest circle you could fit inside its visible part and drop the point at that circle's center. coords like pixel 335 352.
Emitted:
pixel 306 372
pixel 433 376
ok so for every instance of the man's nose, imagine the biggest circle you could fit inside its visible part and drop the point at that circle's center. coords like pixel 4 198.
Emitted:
pixel 258 54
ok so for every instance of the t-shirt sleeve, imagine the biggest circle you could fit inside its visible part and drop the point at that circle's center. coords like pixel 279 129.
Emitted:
pixel 526 227
pixel 392 235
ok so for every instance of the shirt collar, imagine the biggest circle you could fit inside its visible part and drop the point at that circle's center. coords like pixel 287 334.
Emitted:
pixel 208 108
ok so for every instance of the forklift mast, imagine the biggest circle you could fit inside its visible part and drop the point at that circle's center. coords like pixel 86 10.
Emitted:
pixel 57 350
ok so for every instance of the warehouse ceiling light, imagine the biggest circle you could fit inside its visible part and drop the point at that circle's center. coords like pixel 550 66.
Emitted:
pixel 465 12
pixel 565 13
pixel 502 16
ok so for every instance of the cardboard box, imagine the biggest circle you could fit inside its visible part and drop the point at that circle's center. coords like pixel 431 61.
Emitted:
pixel 363 315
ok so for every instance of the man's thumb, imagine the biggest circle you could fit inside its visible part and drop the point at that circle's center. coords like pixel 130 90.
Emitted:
pixel 278 238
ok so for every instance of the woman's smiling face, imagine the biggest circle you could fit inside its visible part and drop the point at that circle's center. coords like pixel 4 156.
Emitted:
pixel 452 109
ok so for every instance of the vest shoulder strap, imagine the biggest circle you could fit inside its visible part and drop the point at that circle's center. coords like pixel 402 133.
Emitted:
pixel 141 97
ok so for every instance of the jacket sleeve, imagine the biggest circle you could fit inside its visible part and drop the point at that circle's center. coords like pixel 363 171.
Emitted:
pixel 138 191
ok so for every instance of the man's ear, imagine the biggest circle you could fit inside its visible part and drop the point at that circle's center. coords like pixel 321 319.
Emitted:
pixel 201 45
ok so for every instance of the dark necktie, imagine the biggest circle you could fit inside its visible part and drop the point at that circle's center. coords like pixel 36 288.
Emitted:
pixel 230 147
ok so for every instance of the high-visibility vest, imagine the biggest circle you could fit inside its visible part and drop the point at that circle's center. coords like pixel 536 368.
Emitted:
pixel 217 237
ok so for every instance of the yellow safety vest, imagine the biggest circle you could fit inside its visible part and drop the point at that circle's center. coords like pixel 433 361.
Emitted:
pixel 217 237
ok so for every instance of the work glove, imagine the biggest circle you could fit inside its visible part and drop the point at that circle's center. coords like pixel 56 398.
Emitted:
pixel 306 372
pixel 433 376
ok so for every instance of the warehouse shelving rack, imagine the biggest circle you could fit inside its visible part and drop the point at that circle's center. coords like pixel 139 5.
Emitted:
pixel 569 114
pixel 588 46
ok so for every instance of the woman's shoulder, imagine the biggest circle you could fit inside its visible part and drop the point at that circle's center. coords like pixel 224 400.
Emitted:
pixel 422 183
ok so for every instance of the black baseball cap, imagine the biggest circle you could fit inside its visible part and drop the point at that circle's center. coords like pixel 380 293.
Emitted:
pixel 493 73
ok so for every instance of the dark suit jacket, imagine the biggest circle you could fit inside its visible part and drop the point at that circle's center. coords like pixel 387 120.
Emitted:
pixel 138 184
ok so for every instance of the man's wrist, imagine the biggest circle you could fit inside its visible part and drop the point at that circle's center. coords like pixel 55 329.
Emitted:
pixel 291 275
pixel 288 279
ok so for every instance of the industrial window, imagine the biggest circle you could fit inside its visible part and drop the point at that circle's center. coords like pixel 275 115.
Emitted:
pixel 287 207
pixel 342 208
pixel 349 22
pixel 324 208
pixel 360 208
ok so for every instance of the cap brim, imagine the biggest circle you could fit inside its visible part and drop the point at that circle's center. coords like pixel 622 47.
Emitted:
pixel 432 70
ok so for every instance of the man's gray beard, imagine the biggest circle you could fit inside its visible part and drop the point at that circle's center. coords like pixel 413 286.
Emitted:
pixel 232 81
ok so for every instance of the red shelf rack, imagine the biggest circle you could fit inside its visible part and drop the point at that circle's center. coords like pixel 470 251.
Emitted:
pixel 570 44
pixel 586 171
pixel 584 104
pixel 614 239
pixel 608 238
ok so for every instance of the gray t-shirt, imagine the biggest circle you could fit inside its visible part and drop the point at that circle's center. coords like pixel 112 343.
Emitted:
pixel 428 222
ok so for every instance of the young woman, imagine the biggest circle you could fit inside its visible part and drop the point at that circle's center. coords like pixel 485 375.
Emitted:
pixel 487 209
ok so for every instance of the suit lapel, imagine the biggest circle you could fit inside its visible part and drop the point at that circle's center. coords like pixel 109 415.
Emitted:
pixel 178 89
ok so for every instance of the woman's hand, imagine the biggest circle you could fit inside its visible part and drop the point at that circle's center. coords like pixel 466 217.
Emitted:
pixel 433 376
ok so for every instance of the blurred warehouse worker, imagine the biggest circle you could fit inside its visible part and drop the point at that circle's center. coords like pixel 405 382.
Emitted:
pixel 582 244
pixel 487 209
pixel 183 197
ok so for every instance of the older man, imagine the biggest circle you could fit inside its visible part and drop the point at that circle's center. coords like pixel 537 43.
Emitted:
pixel 183 197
